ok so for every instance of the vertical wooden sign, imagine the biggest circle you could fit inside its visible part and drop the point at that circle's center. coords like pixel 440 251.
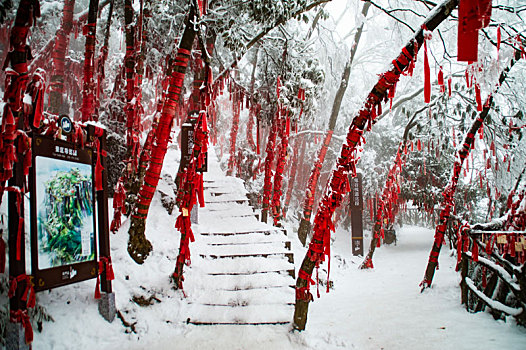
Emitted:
pixel 356 215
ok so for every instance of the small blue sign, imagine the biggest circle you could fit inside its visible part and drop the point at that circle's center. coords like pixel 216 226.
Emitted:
pixel 65 124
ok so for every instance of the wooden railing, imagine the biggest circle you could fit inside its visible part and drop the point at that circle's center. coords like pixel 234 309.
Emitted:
pixel 493 273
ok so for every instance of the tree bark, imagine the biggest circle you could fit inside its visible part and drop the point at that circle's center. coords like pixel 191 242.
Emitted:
pixel 305 224
pixel 132 122
pixel 88 86
pixel 101 74
pixel 138 246
pixel 320 244
pixel 267 182
pixel 59 56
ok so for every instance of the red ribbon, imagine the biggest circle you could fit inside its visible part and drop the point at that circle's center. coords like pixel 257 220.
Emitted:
pixel 21 316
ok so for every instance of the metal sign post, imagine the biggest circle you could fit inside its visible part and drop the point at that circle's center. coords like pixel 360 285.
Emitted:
pixel 356 215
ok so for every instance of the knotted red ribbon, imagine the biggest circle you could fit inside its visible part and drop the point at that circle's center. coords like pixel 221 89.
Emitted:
pixel 21 316
pixel 104 264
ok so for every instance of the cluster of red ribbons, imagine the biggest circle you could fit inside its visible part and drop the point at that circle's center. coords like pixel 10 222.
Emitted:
pixel 13 141
pixel 517 211
pixel 269 159
pixel 310 192
pixel 28 296
pixel 473 15
pixel 162 135
pixel 510 244
pixel 119 197
pixel 237 103
pixel 388 204
pixel 88 88
pixel 104 265
pixel 190 191
pixel 339 183
pixel 284 131
pixel 58 56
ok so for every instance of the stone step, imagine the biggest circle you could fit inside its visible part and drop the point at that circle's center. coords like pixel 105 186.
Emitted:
pixel 244 282
pixel 244 265
pixel 246 297
pixel 247 249
pixel 249 315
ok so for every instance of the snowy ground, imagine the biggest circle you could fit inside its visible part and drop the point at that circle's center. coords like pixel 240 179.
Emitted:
pixel 375 309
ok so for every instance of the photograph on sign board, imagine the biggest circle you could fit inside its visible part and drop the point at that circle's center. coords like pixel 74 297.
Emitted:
pixel 65 217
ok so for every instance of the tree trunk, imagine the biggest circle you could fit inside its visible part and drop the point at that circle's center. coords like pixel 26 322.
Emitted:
pixel 320 244
pixel 277 212
pixel 448 203
pixel 132 122
pixel 88 86
pixel 267 182
pixel 305 224
pixel 101 74
pixel 138 246
pixel 60 49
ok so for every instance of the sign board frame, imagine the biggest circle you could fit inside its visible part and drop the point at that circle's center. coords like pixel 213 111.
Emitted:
pixel 356 206
pixel 63 159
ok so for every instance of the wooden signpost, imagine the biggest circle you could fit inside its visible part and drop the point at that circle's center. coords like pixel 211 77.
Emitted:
pixel 356 215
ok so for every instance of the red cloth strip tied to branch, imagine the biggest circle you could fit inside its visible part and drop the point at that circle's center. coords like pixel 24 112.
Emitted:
pixel 313 179
pixel 119 197
pixel 237 101
pixel 162 136
pixel 473 15
pixel 267 182
pixel 190 191
pixel 88 88
pixel 346 163
pixel 280 168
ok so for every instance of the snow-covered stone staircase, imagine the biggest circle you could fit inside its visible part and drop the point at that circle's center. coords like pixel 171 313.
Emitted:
pixel 242 270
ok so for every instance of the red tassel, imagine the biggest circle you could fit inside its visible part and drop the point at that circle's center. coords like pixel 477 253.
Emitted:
pixel 441 81
pixel 97 288
pixel 467 43
pixel 449 86
pixel 475 251
pixel 427 76
pixel 478 98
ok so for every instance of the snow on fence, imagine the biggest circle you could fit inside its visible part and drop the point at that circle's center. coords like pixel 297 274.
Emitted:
pixel 493 273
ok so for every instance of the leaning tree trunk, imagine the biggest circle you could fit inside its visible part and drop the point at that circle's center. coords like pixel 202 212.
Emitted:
pixel 305 224
pixel 138 246
pixel 386 207
pixel 448 203
pixel 88 86
pixel 339 183
pixel 59 56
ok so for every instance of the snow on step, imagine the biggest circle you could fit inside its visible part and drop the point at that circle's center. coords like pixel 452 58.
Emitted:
pixel 252 314
pixel 242 269
pixel 260 296
pixel 245 265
